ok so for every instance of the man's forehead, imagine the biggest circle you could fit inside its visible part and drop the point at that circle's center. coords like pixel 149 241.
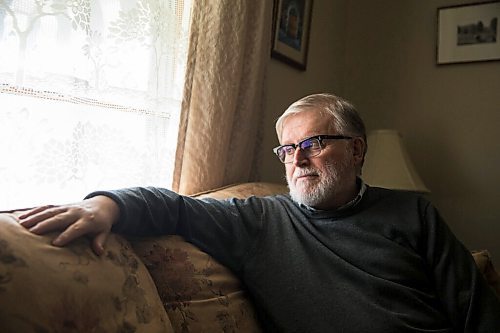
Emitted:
pixel 305 124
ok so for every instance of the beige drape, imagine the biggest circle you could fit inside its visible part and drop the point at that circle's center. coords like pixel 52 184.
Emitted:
pixel 222 105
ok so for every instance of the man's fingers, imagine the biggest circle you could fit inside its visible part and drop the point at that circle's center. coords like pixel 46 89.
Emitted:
pixel 34 211
pixel 35 216
pixel 52 223
pixel 99 242
pixel 75 230
pixel 93 217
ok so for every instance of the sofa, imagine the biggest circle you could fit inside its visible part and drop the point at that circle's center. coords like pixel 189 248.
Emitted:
pixel 160 284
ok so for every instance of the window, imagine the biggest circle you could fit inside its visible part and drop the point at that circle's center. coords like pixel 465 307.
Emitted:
pixel 90 95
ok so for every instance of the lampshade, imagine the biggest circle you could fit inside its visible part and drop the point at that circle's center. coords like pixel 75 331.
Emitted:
pixel 388 165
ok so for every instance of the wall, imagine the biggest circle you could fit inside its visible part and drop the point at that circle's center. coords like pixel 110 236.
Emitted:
pixel 381 56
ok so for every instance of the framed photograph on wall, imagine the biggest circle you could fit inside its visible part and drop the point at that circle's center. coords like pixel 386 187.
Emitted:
pixel 291 25
pixel 468 33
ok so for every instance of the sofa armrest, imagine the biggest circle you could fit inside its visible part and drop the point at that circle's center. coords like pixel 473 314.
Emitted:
pixel 485 265
pixel 44 288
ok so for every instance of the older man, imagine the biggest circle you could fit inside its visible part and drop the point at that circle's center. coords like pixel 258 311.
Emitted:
pixel 334 256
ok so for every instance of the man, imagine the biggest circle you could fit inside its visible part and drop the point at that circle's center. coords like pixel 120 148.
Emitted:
pixel 334 256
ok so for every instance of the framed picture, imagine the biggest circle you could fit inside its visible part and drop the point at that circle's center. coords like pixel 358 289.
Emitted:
pixel 468 33
pixel 291 25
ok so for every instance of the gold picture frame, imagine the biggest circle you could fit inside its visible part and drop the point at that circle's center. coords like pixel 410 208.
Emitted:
pixel 291 30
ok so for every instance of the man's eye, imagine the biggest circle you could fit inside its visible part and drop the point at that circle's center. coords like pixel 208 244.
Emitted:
pixel 289 150
pixel 315 144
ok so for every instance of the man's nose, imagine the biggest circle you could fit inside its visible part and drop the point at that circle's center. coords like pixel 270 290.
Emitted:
pixel 300 157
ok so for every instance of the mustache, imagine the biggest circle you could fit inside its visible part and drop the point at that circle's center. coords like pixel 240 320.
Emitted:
pixel 305 172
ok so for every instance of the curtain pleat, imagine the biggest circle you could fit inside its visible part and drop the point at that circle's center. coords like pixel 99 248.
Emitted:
pixel 223 94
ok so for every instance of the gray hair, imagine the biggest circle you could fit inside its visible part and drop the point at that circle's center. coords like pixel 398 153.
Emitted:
pixel 345 119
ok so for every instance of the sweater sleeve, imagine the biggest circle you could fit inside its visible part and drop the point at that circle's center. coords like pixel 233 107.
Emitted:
pixel 226 229
pixel 469 302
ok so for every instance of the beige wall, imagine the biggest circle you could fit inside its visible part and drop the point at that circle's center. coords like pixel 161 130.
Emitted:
pixel 381 55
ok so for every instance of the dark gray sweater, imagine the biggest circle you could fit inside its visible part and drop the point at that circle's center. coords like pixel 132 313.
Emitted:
pixel 389 264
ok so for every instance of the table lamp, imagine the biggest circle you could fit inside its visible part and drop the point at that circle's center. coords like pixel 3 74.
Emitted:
pixel 387 164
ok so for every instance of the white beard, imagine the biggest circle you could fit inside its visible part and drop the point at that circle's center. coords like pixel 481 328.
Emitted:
pixel 318 193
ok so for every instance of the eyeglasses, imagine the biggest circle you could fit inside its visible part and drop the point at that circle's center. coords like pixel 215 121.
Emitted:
pixel 310 147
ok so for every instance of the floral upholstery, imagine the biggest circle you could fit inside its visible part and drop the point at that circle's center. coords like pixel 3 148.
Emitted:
pixel 160 284
pixel 485 265
pixel 59 290
pixel 198 293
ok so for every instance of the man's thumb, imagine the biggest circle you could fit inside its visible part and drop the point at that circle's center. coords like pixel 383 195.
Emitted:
pixel 99 242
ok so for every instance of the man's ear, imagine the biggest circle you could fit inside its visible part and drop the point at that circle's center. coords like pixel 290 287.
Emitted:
pixel 358 150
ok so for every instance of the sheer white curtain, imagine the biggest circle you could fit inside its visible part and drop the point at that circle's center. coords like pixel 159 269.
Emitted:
pixel 90 95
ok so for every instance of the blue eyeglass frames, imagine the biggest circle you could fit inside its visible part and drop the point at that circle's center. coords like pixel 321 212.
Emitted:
pixel 310 147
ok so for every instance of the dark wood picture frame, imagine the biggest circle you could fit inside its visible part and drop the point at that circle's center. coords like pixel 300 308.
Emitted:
pixel 291 30
pixel 468 33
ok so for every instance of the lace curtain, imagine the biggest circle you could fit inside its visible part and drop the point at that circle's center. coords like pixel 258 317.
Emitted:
pixel 90 95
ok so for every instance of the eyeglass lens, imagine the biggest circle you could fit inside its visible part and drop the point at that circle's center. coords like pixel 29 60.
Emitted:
pixel 310 147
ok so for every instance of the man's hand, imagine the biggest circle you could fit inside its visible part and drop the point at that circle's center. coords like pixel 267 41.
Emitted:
pixel 93 217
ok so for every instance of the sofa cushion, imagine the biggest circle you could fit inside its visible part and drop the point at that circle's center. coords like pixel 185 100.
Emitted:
pixel 44 288
pixel 485 265
pixel 198 293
